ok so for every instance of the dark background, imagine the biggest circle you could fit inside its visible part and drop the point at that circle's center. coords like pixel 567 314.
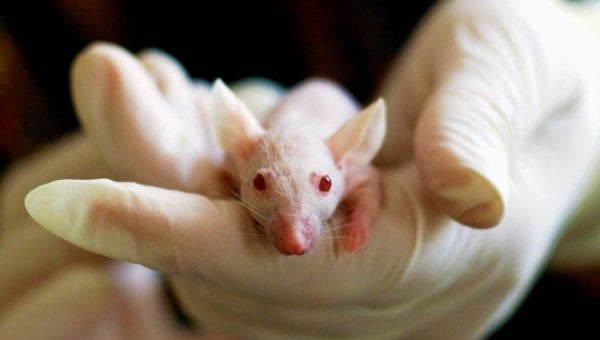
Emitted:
pixel 351 42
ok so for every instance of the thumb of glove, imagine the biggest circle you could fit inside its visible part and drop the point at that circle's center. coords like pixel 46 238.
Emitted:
pixel 500 80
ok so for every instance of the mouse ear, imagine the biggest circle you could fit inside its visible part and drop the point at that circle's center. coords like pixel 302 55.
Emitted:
pixel 358 140
pixel 237 128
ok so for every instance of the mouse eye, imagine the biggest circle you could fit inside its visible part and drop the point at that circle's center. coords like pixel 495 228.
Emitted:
pixel 259 182
pixel 325 183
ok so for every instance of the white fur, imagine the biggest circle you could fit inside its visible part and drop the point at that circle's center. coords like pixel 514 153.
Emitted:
pixel 303 142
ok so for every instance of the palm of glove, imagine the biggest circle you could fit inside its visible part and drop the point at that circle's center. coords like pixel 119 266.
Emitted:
pixel 488 105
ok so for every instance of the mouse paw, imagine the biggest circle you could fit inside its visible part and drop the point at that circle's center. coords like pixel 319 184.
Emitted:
pixel 357 233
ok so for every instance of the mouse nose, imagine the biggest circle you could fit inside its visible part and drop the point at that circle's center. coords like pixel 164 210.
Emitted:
pixel 295 237
pixel 292 243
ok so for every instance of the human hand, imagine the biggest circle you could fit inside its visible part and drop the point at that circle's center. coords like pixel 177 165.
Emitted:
pixel 67 292
pixel 479 87
pixel 421 274
pixel 489 88
pixel 50 289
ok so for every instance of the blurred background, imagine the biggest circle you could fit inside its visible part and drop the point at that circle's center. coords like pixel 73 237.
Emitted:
pixel 351 42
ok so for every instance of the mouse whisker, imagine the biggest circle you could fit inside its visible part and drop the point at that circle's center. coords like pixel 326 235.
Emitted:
pixel 337 228
pixel 245 180
pixel 339 221
pixel 250 207
pixel 255 212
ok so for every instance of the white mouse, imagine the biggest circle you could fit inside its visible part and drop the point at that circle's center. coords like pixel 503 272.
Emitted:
pixel 309 158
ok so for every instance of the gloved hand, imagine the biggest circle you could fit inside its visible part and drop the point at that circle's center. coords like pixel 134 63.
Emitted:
pixel 50 289
pixel 482 91
pixel 502 99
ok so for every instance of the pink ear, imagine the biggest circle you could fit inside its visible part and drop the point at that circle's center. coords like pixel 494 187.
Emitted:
pixel 238 129
pixel 358 140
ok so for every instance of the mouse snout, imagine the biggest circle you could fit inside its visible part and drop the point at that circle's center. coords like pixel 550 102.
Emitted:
pixel 293 243
pixel 293 236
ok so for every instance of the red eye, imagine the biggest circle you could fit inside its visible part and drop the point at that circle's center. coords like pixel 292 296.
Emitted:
pixel 259 182
pixel 325 183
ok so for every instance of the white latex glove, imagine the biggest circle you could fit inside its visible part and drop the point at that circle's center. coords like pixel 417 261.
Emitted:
pixel 502 98
pixel 50 289
pixel 487 89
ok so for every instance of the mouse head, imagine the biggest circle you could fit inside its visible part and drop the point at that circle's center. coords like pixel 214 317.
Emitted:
pixel 291 180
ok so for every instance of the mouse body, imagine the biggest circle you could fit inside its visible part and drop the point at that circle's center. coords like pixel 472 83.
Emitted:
pixel 311 154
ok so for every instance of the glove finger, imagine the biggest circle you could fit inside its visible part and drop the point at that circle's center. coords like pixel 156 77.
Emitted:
pixel 175 87
pixel 72 157
pixel 260 95
pixel 201 97
pixel 188 99
pixel 475 108
pixel 172 231
pixel 405 89
pixel 123 111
